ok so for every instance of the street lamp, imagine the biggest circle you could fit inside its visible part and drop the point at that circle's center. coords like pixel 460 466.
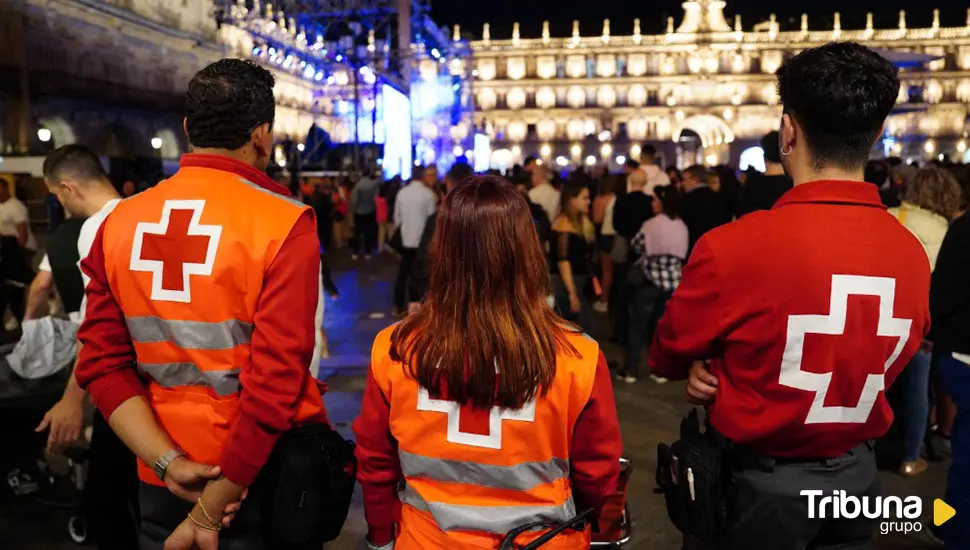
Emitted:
pixel 156 143
pixel 44 135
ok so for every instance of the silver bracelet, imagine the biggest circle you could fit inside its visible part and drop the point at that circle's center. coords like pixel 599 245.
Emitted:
pixel 388 546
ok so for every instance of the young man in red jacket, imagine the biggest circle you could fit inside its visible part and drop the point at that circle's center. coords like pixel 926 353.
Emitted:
pixel 199 331
pixel 790 323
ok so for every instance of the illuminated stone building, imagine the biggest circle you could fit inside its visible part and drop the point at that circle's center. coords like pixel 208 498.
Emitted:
pixel 703 91
pixel 112 74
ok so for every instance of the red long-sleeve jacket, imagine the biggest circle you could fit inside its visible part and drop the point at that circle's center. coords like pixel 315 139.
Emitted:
pixel 807 312
pixel 282 343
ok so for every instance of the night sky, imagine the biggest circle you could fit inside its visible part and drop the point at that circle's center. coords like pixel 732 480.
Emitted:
pixel 470 14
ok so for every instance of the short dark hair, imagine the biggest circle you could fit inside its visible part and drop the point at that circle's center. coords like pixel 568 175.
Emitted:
pixel 769 144
pixel 840 94
pixel 226 101
pixel 75 161
pixel 460 171
pixel 531 159
pixel 648 150
pixel 632 164
pixel 670 199
pixel 698 172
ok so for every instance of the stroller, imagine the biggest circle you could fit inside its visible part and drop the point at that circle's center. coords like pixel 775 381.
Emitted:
pixel 615 526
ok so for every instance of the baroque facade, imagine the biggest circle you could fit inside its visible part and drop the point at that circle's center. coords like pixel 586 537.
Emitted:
pixel 112 74
pixel 703 91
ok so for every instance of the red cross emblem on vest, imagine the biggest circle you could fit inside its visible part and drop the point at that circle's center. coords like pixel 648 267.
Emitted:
pixel 496 416
pixel 174 249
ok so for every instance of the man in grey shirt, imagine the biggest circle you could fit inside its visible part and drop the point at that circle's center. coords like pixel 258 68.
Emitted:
pixel 364 207
pixel 415 203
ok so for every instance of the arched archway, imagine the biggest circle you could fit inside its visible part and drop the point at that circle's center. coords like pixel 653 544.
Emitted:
pixel 171 147
pixel 713 130
pixel 62 133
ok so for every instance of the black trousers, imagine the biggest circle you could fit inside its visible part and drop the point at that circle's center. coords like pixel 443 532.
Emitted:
pixel 365 237
pixel 325 231
pixel 14 296
pixel 774 515
pixel 111 491
pixel 162 512
pixel 404 272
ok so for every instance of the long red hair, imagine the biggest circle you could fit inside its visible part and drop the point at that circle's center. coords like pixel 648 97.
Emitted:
pixel 484 335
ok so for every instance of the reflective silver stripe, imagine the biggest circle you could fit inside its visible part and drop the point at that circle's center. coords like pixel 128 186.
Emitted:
pixel 520 477
pixel 488 519
pixel 190 334
pixel 172 375
pixel 290 200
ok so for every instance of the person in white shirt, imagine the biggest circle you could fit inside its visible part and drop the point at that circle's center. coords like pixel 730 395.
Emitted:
pixel 15 220
pixel 648 163
pixel 415 203
pixel 543 193
pixel 74 175
pixel 17 249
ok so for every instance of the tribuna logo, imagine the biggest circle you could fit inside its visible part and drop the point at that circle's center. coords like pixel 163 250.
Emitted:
pixel 838 505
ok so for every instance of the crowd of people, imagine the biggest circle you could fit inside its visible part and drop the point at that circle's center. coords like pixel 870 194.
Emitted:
pixel 489 406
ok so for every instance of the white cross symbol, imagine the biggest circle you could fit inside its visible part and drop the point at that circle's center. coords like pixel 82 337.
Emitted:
pixel 792 374
pixel 156 266
pixel 493 440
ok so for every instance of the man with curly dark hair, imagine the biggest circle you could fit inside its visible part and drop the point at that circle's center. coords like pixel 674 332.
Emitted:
pixel 199 333
pixel 790 323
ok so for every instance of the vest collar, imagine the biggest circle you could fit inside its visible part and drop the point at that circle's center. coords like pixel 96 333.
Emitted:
pixel 233 166
pixel 833 192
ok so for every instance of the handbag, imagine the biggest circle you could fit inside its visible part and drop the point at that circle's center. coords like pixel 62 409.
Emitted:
pixel 306 486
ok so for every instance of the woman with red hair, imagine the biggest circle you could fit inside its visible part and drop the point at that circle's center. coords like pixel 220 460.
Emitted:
pixel 489 410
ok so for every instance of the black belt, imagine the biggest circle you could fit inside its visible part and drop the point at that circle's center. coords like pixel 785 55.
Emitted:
pixel 745 458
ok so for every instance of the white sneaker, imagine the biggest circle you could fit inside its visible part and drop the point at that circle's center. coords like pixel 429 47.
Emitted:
pixel 659 379
pixel 630 379
pixel 354 257
pixel 367 257
pixel 600 307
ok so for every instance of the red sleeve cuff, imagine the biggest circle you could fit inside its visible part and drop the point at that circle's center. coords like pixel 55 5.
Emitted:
pixel 113 389
pixel 239 470
pixel 379 536
pixel 661 366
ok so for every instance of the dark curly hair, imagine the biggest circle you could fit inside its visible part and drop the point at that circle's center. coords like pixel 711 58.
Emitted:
pixel 226 101
pixel 840 94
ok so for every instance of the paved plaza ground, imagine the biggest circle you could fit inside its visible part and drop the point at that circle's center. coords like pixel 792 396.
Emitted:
pixel 649 414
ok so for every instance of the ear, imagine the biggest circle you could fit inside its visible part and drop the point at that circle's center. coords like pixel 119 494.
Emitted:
pixel 789 132
pixel 185 127
pixel 262 139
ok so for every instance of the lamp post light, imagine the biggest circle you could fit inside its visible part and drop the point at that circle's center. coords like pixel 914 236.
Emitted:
pixel 44 135
pixel 156 143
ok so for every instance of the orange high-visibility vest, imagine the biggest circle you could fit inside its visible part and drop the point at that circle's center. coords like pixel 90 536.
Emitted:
pixel 186 260
pixel 468 490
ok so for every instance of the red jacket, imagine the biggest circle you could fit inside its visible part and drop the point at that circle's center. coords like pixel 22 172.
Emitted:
pixel 282 344
pixel 807 313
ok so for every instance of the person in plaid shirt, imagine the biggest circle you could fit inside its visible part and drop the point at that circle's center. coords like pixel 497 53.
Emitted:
pixel 661 249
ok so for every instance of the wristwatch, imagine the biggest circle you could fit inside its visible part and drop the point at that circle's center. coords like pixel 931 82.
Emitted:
pixel 163 462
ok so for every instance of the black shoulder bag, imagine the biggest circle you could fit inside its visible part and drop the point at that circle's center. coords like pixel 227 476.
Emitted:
pixel 306 487
pixel 694 476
